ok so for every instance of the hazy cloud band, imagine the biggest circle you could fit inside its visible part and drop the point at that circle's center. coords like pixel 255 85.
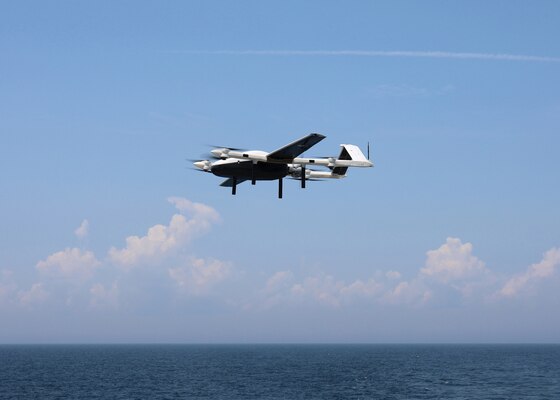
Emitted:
pixel 375 53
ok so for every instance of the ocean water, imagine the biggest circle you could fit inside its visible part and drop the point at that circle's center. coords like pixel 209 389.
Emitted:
pixel 280 372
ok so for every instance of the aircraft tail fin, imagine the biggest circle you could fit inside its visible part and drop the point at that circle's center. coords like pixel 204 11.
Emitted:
pixel 348 152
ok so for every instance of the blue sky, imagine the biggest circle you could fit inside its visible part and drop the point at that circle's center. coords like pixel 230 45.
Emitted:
pixel 107 236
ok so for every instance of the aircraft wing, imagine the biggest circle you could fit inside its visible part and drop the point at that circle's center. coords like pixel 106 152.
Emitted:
pixel 229 182
pixel 294 149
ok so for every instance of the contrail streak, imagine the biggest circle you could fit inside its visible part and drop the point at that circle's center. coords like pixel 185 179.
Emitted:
pixel 375 53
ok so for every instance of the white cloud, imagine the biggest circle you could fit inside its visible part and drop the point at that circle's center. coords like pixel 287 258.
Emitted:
pixel 452 265
pixel 162 240
pixel 327 290
pixel 279 280
pixel 535 272
pixel 104 296
pixel 37 294
pixel 159 240
pixel 200 274
pixel 452 261
pixel 380 53
pixel 393 274
pixel 71 263
pixel 276 290
pixel 197 209
pixel 82 231
pixel 323 289
pixel 414 292
pixel 403 90
pixel 360 288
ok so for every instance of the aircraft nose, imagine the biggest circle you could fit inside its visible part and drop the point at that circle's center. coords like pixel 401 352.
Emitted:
pixel 217 153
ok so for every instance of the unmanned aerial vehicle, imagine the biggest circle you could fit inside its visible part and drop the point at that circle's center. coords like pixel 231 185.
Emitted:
pixel 239 165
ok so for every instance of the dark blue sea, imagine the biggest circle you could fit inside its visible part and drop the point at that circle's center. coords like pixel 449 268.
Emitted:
pixel 280 372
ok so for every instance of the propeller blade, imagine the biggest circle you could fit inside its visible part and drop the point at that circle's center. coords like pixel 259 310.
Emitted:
pixel 203 157
pixel 210 156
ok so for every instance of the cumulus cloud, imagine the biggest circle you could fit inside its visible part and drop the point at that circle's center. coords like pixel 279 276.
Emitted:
pixel 393 274
pixel 71 263
pixel 82 230
pixel 75 277
pixel 323 289
pixel 200 274
pixel 452 265
pixel 414 292
pixel 359 288
pixel 327 290
pixel 35 295
pixel 104 296
pixel 534 273
pixel 279 280
pixel 197 209
pixel 450 269
pixel 452 261
pixel 161 240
